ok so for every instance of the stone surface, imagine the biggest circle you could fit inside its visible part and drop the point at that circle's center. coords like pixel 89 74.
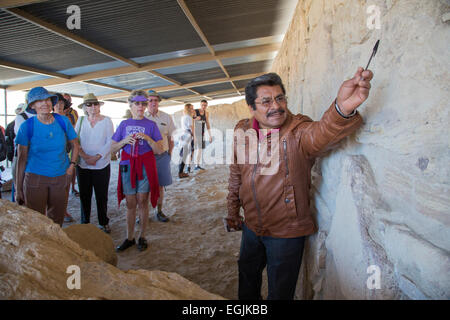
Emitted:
pixel 35 255
pixel 382 197
pixel 90 237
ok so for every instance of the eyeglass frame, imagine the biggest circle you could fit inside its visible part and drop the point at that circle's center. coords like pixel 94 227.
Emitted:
pixel 92 104
pixel 143 103
pixel 269 103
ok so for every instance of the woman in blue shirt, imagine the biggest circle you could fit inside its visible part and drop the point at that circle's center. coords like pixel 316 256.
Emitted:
pixel 44 171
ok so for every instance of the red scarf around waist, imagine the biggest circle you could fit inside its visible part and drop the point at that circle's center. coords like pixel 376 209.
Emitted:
pixel 148 161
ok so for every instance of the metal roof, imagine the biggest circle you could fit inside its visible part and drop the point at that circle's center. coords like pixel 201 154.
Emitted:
pixel 190 49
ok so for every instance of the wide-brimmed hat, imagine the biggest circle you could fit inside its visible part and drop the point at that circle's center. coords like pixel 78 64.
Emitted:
pixel 20 108
pixel 153 93
pixel 89 98
pixel 39 93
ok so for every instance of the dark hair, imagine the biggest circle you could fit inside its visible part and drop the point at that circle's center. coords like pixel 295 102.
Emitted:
pixel 204 101
pixel 268 79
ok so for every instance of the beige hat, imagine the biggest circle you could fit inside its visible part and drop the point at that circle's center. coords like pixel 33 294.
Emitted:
pixel 90 97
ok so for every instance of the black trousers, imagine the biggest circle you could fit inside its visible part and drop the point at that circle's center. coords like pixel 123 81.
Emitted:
pixel 97 180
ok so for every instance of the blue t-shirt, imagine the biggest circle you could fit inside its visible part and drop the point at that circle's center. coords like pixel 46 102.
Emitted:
pixel 132 126
pixel 47 151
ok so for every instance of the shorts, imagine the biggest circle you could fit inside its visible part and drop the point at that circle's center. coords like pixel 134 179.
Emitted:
pixel 163 168
pixel 142 186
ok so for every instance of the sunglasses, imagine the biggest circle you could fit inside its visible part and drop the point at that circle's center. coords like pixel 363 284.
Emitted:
pixel 142 103
pixel 91 104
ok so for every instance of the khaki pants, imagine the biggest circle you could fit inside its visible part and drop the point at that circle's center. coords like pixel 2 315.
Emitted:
pixel 47 195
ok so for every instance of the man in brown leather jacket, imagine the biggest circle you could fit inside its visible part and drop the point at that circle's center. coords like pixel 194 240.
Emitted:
pixel 271 176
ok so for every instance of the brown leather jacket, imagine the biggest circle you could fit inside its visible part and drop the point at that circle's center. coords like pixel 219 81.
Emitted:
pixel 275 194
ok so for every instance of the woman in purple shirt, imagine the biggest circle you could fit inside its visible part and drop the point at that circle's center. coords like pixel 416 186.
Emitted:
pixel 139 138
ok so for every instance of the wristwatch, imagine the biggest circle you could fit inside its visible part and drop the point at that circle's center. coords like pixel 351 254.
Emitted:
pixel 74 163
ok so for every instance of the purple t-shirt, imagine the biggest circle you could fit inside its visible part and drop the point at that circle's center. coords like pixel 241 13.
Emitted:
pixel 131 126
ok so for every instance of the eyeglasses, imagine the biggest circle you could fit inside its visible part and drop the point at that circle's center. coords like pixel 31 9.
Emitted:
pixel 142 103
pixel 153 100
pixel 267 102
pixel 91 104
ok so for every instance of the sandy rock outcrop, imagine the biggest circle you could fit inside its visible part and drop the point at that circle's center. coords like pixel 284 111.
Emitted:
pixel 382 199
pixel 90 237
pixel 39 261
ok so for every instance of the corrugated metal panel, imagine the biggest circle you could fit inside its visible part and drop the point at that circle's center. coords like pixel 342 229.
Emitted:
pixel 248 68
pixel 131 28
pixel 175 93
pixel 193 76
pixel 230 20
pixel 80 89
pixel 241 83
pixel 27 44
pixel 248 43
pixel 213 87
pixel 189 67
pixel 8 74
pixel 138 80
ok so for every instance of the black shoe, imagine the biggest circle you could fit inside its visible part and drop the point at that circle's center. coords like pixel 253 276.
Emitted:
pixel 162 217
pixel 105 228
pixel 198 168
pixel 142 244
pixel 126 244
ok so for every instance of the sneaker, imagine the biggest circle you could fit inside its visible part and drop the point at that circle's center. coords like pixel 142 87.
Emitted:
pixel 126 244
pixel 106 228
pixel 68 218
pixel 142 244
pixel 183 175
pixel 138 220
pixel 198 168
pixel 162 217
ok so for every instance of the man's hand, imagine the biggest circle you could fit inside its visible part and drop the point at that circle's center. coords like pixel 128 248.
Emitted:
pixel 355 91
pixel 234 223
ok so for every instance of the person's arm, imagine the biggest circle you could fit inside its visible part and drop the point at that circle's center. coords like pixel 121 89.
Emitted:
pixel 234 220
pixel 157 146
pixel 172 129
pixel 208 126
pixel 341 118
pixel 22 156
pixel 105 150
pixel 73 159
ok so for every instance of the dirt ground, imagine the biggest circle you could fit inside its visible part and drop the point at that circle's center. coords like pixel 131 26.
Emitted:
pixel 193 243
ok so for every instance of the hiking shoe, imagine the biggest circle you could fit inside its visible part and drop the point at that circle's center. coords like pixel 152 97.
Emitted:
pixel 142 244
pixel 105 228
pixel 126 244
pixel 162 217
pixel 183 175
pixel 198 168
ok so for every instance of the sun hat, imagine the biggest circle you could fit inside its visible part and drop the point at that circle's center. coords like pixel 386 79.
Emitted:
pixel 89 98
pixel 20 108
pixel 153 93
pixel 39 93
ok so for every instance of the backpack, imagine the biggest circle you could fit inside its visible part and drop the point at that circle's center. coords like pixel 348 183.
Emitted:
pixel 10 136
pixel 2 145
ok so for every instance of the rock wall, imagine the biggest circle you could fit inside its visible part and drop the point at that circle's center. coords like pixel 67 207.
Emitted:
pixel 36 256
pixel 382 197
